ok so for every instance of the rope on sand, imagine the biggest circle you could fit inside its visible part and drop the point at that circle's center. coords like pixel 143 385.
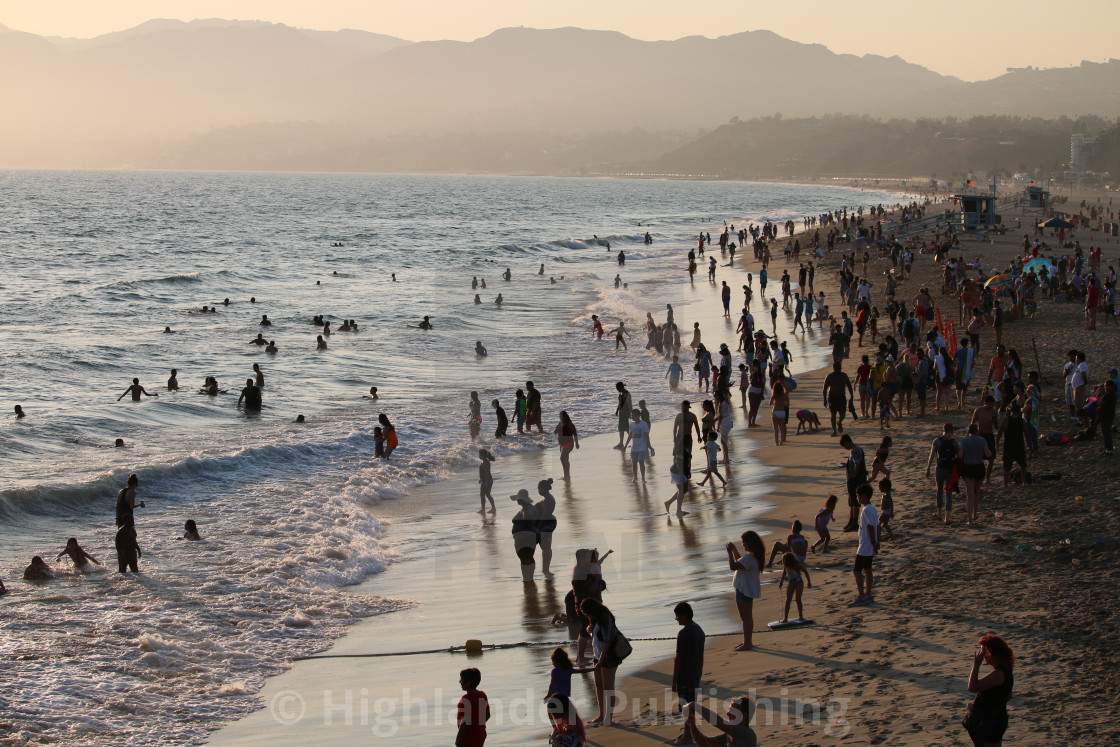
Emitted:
pixel 494 647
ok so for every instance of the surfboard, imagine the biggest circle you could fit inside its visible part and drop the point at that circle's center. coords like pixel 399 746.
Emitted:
pixel 779 625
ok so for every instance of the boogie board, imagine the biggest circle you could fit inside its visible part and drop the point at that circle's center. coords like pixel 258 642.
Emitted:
pixel 779 625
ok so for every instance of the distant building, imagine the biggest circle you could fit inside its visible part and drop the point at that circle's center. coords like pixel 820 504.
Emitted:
pixel 1081 148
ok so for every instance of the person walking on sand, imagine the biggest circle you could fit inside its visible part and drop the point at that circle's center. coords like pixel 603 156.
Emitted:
pixel 973 455
pixel 711 448
pixel 567 437
pixel 837 393
pixel 136 390
pixel 639 446
pixel 604 632
pixel 546 523
pixel 533 408
pixel 780 402
pixel 855 470
pixel 688 661
pixel 747 581
pixel 868 545
pixel 622 412
pixel 943 453
pixel 986 718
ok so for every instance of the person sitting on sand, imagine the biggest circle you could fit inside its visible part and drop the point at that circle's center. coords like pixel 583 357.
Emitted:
pixel 77 555
pixel 795 543
pixel 190 531
pixel 736 732
pixel 37 571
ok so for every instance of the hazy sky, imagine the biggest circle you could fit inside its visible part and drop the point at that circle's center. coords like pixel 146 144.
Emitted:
pixel 972 41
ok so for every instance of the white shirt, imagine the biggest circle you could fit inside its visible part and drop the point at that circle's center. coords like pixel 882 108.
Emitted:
pixel 639 432
pixel 1080 374
pixel 868 522
pixel 748 579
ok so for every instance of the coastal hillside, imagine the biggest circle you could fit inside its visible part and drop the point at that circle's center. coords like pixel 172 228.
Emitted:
pixel 166 87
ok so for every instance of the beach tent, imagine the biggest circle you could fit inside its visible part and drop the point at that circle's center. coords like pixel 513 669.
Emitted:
pixel 1057 223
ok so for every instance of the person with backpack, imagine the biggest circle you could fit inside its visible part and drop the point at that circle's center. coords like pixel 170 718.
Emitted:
pixel 944 453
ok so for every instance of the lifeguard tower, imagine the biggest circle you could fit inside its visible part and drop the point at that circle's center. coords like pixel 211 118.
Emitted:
pixel 978 214
pixel 1037 199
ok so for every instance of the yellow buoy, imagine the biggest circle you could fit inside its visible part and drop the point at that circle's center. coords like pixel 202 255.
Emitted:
pixel 473 645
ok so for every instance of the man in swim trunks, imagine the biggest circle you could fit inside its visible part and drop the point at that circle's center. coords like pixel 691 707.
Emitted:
pixel 250 395
pixel 986 419
pixel 836 386
pixel 136 390
pixel 683 424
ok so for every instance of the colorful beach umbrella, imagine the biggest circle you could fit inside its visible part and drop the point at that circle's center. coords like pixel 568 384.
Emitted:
pixel 1057 223
pixel 1037 264
pixel 999 281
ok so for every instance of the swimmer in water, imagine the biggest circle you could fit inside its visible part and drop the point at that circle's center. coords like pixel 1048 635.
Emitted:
pixel 394 277
pixel 136 390
pixel 474 282
pixel 264 321
pixel 326 329
pixel 210 386
pixel 259 374
pixel 426 324
pixel 118 444
pixel 19 412
pixel 541 271
pixel 168 331
pixel 552 280
pixel 301 419
pixel 499 299
pixel 190 531
pixel 259 340
pixel 482 283
pixel 320 343
pixel 372 392
pixel 173 381
pixel 478 348
pixel 507 274
pixel 477 298
pixel 38 570
pixel 250 395
pixel 271 348
pixel 226 302
pixel 253 299
pixel 77 555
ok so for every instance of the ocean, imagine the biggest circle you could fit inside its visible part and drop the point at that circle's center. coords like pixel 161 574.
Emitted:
pixel 97 264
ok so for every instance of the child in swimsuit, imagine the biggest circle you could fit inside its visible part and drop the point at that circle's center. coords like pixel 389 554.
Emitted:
pixel 886 507
pixel 378 442
pixel 792 571
pixel 824 516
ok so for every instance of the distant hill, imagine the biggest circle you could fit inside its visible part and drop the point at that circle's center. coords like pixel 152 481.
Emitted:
pixel 774 147
pixel 119 98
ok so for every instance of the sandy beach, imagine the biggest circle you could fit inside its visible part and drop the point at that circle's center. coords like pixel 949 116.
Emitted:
pixel 893 672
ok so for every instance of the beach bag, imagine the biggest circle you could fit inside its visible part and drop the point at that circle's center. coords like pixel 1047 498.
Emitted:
pixel 620 646
pixel 946 452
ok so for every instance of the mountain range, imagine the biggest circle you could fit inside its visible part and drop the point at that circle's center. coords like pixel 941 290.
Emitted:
pixel 147 95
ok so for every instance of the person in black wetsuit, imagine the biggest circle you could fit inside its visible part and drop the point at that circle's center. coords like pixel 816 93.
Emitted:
pixel 986 721
pixel 250 395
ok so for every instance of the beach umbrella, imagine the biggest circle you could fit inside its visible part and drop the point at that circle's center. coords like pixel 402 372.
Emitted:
pixel 999 281
pixel 1057 223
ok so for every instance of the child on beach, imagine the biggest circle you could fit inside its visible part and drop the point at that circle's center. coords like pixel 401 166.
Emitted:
pixel 795 543
pixel 520 409
pixel 646 419
pixel 562 671
pixel 792 571
pixel 674 373
pixel 77 555
pixel 473 711
pixel 883 399
pixel 378 442
pixel 485 481
pixel 503 421
pixel 712 448
pixel 880 463
pixel 596 568
pixel 824 517
pixel 886 507
pixel 680 482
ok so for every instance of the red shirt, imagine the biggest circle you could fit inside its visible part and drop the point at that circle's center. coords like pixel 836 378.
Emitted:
pixel 1094 296
pixel 862 373
pixel 474 710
